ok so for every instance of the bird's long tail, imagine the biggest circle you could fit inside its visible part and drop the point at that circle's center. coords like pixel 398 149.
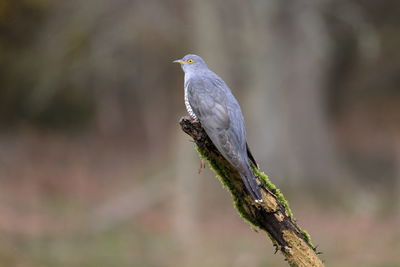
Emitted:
pixel 250 182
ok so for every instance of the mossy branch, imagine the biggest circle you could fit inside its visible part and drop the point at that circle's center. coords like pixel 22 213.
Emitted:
pixel 272 216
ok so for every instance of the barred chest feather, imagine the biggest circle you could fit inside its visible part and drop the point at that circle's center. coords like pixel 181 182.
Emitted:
pixel 188 107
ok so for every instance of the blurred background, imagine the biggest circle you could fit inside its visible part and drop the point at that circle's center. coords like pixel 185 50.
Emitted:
pixel 95 171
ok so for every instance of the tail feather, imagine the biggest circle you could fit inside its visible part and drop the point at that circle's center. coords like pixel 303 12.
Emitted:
pixel 250 155
pixel 250 182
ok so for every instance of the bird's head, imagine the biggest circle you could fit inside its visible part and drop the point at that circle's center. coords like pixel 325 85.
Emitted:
pixel 191 62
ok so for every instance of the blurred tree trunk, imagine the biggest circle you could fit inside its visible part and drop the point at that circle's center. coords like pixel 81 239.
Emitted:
pixel 285 90
pixel 186 201
pixel 397 175
pixel 290 91
pixel 208 33
pixel 300 52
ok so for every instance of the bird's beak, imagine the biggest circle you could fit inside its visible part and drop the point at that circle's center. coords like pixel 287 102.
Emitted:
pixel 180 61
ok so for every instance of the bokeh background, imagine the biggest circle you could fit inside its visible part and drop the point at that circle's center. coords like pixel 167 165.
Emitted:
pixel 95 171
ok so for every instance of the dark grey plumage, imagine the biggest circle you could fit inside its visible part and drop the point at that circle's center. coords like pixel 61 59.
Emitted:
pixel 209 99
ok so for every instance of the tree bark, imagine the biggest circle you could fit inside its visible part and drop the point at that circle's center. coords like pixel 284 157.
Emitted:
pixel 273 216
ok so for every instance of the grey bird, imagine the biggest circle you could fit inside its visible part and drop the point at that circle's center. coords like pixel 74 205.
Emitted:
pixel 210 101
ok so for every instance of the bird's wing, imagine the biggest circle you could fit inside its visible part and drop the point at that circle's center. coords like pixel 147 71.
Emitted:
pixel 220 116
pixel 251 157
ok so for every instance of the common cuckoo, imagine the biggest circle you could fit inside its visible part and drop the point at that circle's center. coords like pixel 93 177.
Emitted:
pixel 210 101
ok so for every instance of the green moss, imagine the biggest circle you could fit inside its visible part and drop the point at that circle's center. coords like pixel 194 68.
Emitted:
pixel 285 203
pixel 306 237
pixel 274 190
pixel 222 173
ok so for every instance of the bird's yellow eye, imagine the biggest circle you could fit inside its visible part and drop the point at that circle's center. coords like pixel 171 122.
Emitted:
pixel 190 60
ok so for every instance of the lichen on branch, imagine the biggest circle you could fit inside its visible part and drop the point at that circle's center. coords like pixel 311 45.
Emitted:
pixel 273 216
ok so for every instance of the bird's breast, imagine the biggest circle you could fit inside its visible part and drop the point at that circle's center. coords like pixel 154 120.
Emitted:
pixel 188 106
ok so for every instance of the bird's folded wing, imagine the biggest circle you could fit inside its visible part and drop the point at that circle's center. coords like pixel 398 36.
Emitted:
pixel 209 103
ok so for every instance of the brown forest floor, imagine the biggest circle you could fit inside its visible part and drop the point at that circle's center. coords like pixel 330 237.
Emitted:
pixel 50 190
